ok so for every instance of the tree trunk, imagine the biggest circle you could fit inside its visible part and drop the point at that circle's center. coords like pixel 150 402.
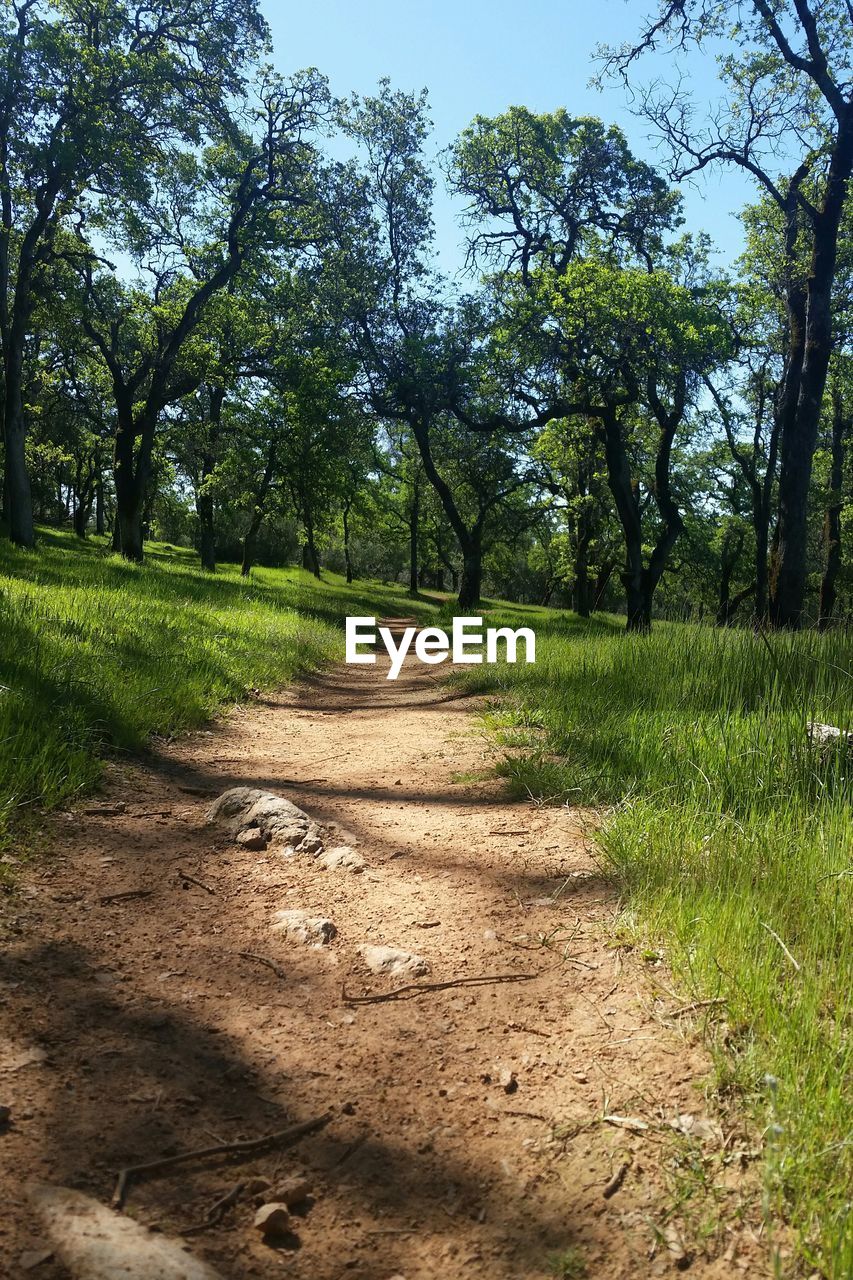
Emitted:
pixel 800 430
pixel 414 534
pixel 580 587
pixel 472 573
pixel 347 556
pixel 204 504
pixel 257 513
pixel 99 503
pixel 832 519
pixel 207 535
pixel 311 559
pixel 16 481
pixel 628 510
pixel 131 479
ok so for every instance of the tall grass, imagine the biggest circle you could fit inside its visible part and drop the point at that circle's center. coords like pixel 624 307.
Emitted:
pixel 97 654
pixel 733 839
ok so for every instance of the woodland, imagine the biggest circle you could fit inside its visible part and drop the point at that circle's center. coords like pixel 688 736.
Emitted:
pixel 216 334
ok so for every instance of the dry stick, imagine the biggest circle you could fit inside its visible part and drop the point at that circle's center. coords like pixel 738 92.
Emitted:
pixel 246 1147
pixel 198 883
pixel 127 893
pixel 774 934
pixel 616 1181
pixel 251 955
pixel 436 986
pixel 694 1005
pixel 216 1211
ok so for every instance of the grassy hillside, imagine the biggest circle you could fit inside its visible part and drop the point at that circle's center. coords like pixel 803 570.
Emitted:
pixel 732 838
pixel 96 653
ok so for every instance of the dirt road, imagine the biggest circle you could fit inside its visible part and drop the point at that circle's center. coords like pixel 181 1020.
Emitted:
pixel 467 1138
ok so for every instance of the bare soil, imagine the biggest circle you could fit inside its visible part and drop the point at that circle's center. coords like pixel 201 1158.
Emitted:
pixel 467 1137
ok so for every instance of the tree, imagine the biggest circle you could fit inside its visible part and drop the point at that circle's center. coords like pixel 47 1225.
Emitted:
pixel 216 212
pixel 89 91
pixel 790 91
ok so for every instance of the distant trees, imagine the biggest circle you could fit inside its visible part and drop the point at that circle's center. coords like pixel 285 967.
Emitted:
pixel 213 330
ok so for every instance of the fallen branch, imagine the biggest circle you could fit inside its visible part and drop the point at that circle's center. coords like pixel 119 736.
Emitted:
pixel 270 964
pixel 198 883
pixel 246 1147
pixel 127 893
pixel 415 988
pixel 216 1211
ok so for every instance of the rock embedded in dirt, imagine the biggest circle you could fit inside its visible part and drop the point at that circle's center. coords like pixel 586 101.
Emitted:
pixel 341 858
pixel 272 1219
pixel 242 809
pixel 93 1243
pixel 393 962
pixel 304 926
pixel 295 1190
pixel 252 838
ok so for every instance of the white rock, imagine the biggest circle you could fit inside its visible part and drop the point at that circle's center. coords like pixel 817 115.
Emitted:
pixel 393 962
pixel 242 808
pixel 303 926
pixel 272 1219
pixel 341 858
pixel 93 1243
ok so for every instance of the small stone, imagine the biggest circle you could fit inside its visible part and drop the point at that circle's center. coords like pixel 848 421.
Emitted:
pixel 508 1081
pixel 295 1190
pixel 303 926
pixel 341 858
pixel 393 962
pixel 252 838
pixel 272 1219
pixel 311 844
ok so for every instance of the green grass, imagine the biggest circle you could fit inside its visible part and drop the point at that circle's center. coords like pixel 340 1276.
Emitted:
pixel 97 654
pixel 732 838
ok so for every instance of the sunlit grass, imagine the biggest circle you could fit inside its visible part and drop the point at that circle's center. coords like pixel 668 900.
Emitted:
pixel 97 654
pixel 732 838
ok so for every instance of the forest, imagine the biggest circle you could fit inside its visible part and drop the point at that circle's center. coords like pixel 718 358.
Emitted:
pixel 248 400
pixel 216 334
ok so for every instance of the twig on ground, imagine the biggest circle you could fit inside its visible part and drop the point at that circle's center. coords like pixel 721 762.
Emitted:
pixel 216 1211
pixel 124 895
pixel 248 1146
pixel 414 988
pixel 270 964
pixel 694 1005
pixel 616 1181
pixel 509 833
pixel 198 883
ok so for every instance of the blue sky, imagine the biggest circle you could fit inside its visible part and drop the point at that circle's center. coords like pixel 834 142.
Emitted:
pixel 481 56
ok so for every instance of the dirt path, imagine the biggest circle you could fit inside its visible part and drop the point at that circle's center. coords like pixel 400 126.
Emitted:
pixel 466 1140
